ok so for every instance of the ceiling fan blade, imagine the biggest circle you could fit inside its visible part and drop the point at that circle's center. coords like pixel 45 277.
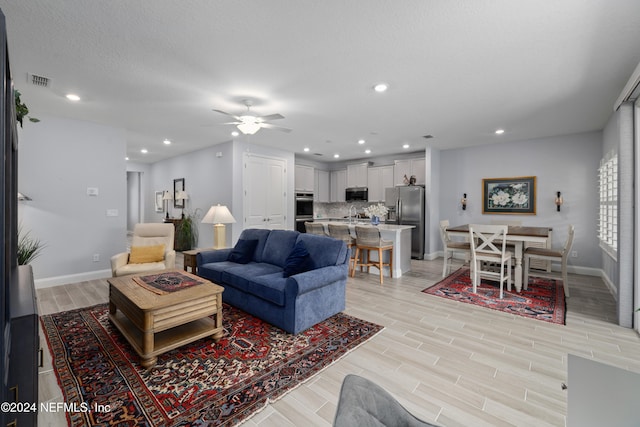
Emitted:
pixel 274 127
pixel 227 114
pixel 271 117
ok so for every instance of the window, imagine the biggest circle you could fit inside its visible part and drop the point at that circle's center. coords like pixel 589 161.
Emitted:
pixel 608 217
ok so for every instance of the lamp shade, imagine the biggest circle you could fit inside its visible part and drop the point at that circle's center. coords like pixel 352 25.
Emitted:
pixel 218 215
pixel 182 195
pixel 248 127
pixel 167 195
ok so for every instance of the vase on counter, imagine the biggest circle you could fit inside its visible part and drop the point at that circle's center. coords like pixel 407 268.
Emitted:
pixel 375 220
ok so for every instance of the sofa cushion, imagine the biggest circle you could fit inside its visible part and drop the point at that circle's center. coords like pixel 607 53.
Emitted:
pixel 324 251
pixel 298 260
pixel 259 234
pixel 269 287
pixel 241 275
pixel 146 254
pixel 278 246
pixel 213 270
pixel 243 251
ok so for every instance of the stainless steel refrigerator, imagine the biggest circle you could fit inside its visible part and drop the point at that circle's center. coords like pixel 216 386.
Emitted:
pixel 406 207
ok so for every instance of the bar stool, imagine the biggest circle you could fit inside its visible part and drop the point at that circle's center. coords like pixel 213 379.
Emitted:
pixel 341 232
pixel 314 228
pixel 368 239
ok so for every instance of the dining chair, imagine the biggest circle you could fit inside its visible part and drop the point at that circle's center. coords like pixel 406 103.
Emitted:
pixel 314 228
pixel 450 247
pixel 558 255
pixel 368 239
pixel 488 244
pixel 341 232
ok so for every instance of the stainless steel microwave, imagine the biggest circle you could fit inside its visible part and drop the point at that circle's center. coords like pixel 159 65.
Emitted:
pixel 356 194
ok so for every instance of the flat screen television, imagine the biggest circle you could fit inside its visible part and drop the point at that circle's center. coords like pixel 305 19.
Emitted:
pixel 9 206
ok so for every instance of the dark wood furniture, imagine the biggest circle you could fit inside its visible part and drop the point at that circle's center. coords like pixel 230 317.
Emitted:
pixel 176 223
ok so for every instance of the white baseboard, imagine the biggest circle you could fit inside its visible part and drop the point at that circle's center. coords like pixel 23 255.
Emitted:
pixel 49 282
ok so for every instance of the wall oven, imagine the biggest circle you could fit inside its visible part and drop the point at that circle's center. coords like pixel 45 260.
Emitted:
pixel 304 210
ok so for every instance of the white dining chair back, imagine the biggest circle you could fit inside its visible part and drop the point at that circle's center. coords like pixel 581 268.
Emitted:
pixel 489 247
pixel 450 247
pixel 553 255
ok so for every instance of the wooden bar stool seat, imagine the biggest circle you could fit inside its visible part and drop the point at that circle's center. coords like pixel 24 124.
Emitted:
pixel 368 239
pixel 341 232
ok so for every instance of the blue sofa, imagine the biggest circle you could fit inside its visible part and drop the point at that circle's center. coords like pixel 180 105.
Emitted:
pixel 255 280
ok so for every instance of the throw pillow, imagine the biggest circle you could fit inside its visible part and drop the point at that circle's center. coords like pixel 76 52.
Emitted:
pixel 242 252
pixel 298 261
pixel 145 254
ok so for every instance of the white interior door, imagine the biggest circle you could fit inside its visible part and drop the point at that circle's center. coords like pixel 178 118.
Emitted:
pixel 264 192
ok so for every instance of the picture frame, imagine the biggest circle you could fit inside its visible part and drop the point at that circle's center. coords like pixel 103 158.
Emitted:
pixel 513 196
pixel 159 202
pixel 178 185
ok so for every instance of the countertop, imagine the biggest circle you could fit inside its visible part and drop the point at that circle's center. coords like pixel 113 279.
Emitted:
pixel 381 226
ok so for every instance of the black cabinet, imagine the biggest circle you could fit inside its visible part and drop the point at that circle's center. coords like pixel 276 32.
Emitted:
pixel 25 348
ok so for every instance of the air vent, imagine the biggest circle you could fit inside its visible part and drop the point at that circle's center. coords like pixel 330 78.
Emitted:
pixel 317 154
pixel 428 136
pixel 40 81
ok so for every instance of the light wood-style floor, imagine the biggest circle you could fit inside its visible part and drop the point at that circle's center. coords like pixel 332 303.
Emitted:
pixel 449 363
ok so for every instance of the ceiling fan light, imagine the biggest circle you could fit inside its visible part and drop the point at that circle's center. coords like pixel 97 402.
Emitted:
pixel 248 128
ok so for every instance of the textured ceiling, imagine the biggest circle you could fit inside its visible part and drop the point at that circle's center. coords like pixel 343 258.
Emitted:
pixel 457 70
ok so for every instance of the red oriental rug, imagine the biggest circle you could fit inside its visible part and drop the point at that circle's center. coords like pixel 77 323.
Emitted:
pixel 200 384
pixel 543 300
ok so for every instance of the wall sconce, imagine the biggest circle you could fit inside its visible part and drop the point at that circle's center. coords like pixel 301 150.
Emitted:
pixel 559 200
pixel 463 202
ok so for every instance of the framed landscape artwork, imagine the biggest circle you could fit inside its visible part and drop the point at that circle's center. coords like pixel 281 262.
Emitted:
pixel 159 203
pixel 509 195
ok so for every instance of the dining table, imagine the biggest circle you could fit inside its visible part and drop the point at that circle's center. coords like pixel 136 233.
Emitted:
pixel 517 235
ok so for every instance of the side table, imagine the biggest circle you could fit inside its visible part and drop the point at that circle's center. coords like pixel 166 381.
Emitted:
pixel 190 259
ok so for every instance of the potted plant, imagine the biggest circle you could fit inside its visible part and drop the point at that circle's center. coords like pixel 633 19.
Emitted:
pixel 22 110
pixel 187 232
pixel 29 248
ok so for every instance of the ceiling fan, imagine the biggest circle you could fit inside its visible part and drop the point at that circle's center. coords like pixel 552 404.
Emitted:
pixel 248 123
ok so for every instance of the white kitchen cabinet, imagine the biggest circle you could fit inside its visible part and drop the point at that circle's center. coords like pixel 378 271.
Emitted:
pixel 321 186
pixel 357 175
pixel 409 167
pixel 264 201
pixel 379 178
pixel 338 182
pixel 304 178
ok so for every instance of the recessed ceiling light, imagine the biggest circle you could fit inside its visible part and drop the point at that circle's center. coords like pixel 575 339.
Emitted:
pixel 361 141
pixel 306 149
pixel 235 133
pixel 381 87
pixel 73 97
pixel 144 151
pixel 367 151
pixel 167 141
pixel 405 146
pixel 335 156
pixel 499 131
pixel 126 158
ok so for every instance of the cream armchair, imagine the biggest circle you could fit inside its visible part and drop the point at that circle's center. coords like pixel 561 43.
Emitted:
pixel 147 236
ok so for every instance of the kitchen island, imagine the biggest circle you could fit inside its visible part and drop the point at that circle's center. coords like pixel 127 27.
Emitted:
pixel 400 235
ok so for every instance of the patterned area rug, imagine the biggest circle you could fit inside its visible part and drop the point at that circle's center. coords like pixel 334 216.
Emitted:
pixel 200 384
pixel 543 300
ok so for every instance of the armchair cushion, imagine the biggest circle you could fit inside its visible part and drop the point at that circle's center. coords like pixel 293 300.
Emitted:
pixel 145 254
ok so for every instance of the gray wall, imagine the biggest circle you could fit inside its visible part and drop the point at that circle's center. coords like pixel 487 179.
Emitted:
pixel 58 160
pixel 565 163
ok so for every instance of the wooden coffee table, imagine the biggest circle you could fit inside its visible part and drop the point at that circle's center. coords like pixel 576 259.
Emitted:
pixel 154 324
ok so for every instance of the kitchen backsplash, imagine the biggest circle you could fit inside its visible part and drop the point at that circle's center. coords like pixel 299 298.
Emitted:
pixel 338 209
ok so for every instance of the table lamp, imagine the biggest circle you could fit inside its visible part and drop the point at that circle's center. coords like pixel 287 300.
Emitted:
pixel 166 197
pixel 219 216
pixel 182 195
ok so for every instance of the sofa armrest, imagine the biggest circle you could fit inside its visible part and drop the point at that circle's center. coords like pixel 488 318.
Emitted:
pixel 119 260
pixel 215 255
pixel 314 279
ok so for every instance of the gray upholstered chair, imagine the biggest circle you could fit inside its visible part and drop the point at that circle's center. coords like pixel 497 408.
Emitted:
pixel 314 228
pixel 364 403
pixel 341 232
pixel 368 239
pixel 147 235
pixel 558 255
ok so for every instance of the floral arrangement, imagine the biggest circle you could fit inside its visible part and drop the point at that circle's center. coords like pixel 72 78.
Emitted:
pixel 378 210
pixel 513 195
